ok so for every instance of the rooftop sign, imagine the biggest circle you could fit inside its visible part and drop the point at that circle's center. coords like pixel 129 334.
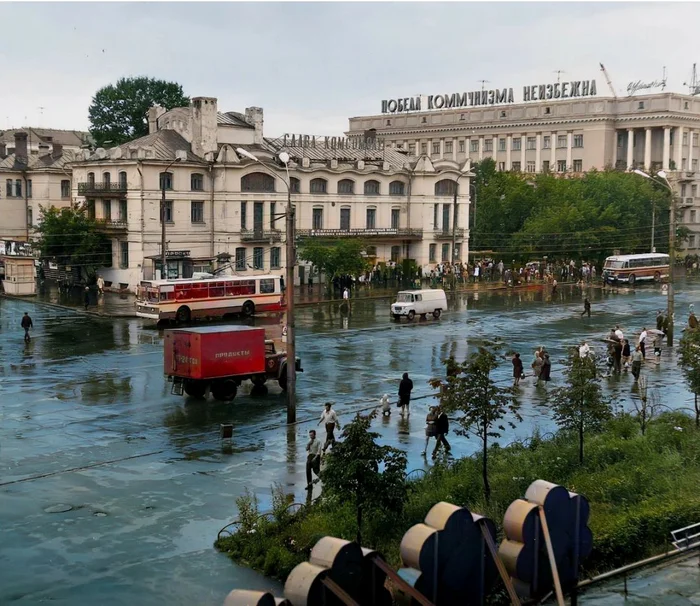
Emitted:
pixel 312 141
pixel 496 96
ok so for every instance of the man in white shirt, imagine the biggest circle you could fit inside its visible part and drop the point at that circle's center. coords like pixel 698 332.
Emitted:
pixel 330 420
pixel 313 459
pixel 642 343
pixel 618 334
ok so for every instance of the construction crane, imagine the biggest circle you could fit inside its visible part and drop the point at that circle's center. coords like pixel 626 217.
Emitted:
pixel 693 85
pixel 607 78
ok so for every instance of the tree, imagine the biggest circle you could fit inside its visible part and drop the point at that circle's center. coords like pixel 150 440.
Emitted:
pixel 70 237
pixel 580 405
pixel 119 112
pixel 468 389
pixel 335 258
pixel 358 470
pixel 689 359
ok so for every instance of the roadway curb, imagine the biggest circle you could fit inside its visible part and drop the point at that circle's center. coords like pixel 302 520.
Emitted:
pixel 97 314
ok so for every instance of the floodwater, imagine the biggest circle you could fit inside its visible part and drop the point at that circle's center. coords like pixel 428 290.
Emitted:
pixel 112 490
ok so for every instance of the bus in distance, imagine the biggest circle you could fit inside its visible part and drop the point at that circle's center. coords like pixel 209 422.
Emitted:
pixel 633 268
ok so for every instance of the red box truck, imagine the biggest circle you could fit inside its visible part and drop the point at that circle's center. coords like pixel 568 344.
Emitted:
pixel 220 358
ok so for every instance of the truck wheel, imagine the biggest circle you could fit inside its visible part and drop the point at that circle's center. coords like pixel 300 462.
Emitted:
pixel 657 276
pixel 411 315
pixel 196 389
pixel 248 309
pixel 283 379
pixel 633 279
pixel 258 380
pixel 184 315
pixel 437 313
pixel 224 390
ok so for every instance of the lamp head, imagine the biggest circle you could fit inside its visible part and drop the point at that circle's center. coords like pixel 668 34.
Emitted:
pixel 662 174
pixel 641 173
pixel 247 154
pixel 284 158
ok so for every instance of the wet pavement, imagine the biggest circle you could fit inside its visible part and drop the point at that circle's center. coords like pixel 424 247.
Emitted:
pixel 113 490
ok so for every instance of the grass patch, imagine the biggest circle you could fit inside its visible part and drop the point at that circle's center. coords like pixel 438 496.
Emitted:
pixel 639 487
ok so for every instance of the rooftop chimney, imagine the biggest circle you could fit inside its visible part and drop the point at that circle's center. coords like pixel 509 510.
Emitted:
pixel 254 116
pixel 57 151
pixel 21 147
pixel 154 113
pixel 204 125
pixel 3 150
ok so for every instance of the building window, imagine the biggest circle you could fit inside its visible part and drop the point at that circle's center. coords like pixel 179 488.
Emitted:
pixel 531 143
pixel 517 144
pixel 445 187
pixel 107 210
pixel 258 182
pixel 166 181
pixel 106 180
pixel 30 216
pixel 547 110
pixel 684 163
pixel 488 145
pixel 197 182
pixel 372 188
pixel 561 141
pixel 317 218
pixel 694 191
pixel 244 215
pixel 240 259
pixel 474 145
pixel 18 188
pixel 395 253
pixel 691 241
pixel 122 180
pixel 423 148
pixel 578 140
pixel 503 114
pixel 371 218
pixel 29 188
pixel 461 147
pixel 436 148
pixel 692 216
pixel 561 166
pixel 695 138
pixel 395 218
pixel 578 166
pixel 396 188
pixel 8 188
pixel 685 138
pixel 448 147
pixel 345 219
pixel 516 167
pixel 65 188
pixel 197 211
pixel 319 186
pixel 294 185
pixel 501 145
pixel 412 149
pixel 168 211
pixel 545 166
pixel 446 217
pixel 436 210
pixel 371 251
pixel 124 255
pixel 275 256
pixel 388 122
pixel 501 166
pixel 620 139
pixel 683 190
pixel 122 211
pixel 432 249
pixel 445 252
pixel 530 167
pixel 91 179
pixel 695 165
pixel 91 209
pixel 346 186
pixel 640 105
pixel 258 257
pixel 546 142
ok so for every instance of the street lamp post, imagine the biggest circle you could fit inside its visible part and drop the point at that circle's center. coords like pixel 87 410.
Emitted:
pixel 454 215
pixel 163 272
pixel 670 301
pixel 291 261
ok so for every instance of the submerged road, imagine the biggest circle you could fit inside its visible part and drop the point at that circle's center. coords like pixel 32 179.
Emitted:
pixel 112 490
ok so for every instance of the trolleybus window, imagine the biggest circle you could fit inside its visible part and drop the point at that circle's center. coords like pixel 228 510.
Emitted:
pixel 267 286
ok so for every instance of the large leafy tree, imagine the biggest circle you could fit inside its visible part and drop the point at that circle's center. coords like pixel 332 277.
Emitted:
pixel 119 112
pixel 579 406
pixel 335 258
pixel 689 358
pixel 70 237
pixel 470 391
pixel 361 472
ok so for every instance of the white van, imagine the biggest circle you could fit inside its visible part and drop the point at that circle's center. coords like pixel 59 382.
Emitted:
pixel 412 303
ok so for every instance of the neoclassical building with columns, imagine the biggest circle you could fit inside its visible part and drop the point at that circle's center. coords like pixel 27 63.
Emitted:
pixel 564 135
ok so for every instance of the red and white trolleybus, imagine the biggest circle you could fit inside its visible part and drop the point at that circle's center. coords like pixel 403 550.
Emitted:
pixel 184 299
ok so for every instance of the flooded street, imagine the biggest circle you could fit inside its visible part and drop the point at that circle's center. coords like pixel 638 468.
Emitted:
pixel 112 490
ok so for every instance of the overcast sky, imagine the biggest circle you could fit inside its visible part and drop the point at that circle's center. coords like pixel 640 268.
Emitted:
pixel 313 65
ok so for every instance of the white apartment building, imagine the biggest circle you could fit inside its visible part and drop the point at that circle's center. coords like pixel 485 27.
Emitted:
pixel 564 128
pixel 222 207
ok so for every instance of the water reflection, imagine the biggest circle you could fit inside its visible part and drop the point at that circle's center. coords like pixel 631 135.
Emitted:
pixel 105 388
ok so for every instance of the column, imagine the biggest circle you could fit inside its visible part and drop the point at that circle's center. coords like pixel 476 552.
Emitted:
pixel 442 148
pixel 553 152
pixel 509 143
pixel 630 147
pixel 430 148
pixel 679 147
pixel 417 147
pixel 538 153
pixel 691 132
pixel 494 144
pixel 569 141
pixel 523 147
pixel 454 149
pixel 667 148
pixel 647 149
pixel 614 156
pixel 467 147
pixel 481 149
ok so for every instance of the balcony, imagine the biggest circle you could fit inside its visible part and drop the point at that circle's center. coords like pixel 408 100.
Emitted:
pixel 446 234
pixel 111 226
pixel 686 201
pixel 377 233
pixel 259 235
pixel 102 190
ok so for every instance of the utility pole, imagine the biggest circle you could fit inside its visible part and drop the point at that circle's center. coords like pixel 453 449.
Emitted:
pixel 291 343
pixel 653 221
pixel 163 272
pixel 672 260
